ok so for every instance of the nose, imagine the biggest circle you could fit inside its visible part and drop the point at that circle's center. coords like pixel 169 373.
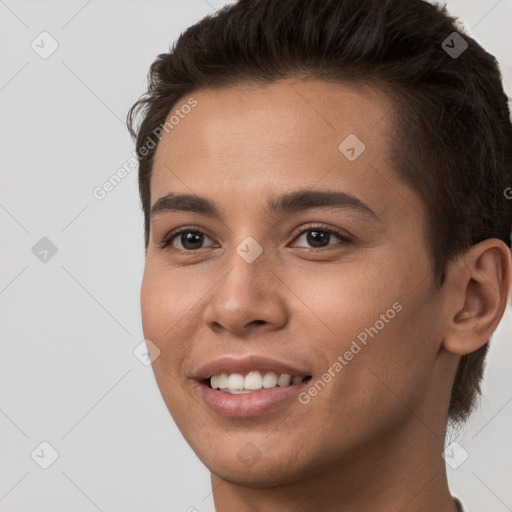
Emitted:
pixel 248 295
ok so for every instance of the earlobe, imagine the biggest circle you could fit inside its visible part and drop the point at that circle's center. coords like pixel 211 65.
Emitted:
pixel 479 288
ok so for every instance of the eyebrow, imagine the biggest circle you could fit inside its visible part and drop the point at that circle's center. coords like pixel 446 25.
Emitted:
pixel 298 200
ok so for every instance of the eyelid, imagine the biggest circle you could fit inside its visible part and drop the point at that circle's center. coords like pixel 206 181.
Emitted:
pixel 344 235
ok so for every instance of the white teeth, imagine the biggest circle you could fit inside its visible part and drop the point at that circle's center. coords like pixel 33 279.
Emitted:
pixel 270 380
pixel 236 383
pixel 253 380
pixel 219 381
pixel 284 380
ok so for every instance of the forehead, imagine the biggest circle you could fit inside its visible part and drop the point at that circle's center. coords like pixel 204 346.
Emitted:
pixel 248 140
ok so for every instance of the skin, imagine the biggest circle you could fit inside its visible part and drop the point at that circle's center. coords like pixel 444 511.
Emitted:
pixel 372 438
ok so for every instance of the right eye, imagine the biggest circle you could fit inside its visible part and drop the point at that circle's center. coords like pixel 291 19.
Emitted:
pixel 190 239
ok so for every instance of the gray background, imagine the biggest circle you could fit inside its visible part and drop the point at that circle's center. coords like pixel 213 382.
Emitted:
pixel 69 325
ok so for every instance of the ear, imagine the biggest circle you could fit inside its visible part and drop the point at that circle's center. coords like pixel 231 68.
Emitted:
pixel 478 291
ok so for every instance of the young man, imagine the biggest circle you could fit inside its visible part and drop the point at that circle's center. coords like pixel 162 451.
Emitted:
pixel 327 247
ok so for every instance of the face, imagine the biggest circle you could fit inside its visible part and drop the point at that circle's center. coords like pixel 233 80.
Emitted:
pixel 338 287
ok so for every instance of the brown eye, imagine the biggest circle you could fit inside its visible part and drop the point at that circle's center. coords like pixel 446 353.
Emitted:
pixel 318 237
pixel 190 239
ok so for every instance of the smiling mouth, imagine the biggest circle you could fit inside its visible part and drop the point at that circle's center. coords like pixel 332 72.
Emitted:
pixel 237 384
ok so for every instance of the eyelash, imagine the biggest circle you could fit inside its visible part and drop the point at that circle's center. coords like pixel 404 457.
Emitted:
pixel 166 242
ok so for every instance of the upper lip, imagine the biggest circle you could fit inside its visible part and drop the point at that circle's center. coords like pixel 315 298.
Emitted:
pixel 243 365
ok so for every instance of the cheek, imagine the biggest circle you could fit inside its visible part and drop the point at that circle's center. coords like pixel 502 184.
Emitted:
pixel 160 322
pixel 379 316
pixel 342 300
pixel 170 303
pixel 163 298
pixel 160 314
pixel 152 294
pixel 398 359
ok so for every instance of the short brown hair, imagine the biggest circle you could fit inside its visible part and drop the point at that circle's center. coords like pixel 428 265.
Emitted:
pixel 452 136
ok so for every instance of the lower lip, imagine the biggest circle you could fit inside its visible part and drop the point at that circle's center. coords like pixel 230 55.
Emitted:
pixel 249 404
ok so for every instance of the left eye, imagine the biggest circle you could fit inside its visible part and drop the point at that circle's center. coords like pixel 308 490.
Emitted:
pixel 320 237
